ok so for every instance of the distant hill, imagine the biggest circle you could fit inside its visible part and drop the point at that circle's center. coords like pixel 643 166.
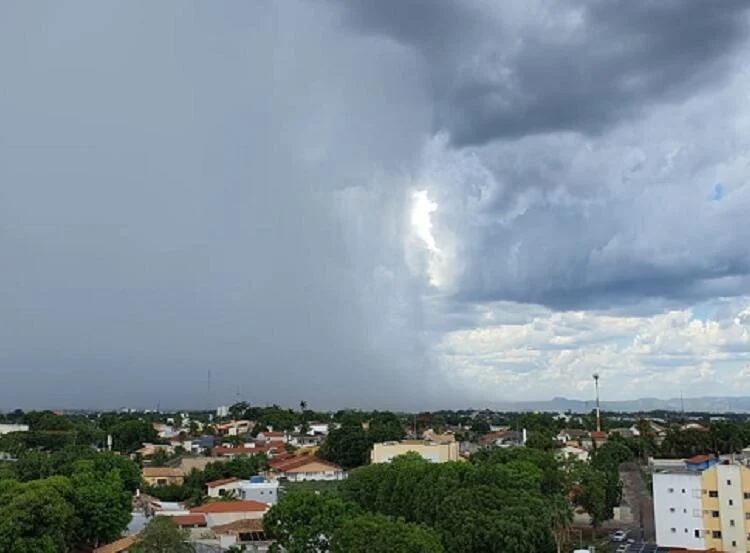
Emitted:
pixel 705 404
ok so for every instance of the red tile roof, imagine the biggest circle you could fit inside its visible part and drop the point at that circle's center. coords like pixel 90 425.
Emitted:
pixel 598 435
pixel 216 483
pixel 219 450
pixel 699 458
pixel 273 434
pixel 238 506
pixel 116 546
pixel 190 520
pixel 283 465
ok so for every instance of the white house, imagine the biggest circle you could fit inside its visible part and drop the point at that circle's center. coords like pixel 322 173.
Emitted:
pixel 317 428
pixel 577 453
pixel 8 428
pixel 257 489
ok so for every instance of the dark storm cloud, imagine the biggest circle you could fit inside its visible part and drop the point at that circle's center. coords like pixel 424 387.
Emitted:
pixel 175 183
pixel 508 69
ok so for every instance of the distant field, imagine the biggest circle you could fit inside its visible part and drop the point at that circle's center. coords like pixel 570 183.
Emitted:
pixel 330 486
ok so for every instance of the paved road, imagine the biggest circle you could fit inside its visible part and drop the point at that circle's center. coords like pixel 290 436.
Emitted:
pixel 635 495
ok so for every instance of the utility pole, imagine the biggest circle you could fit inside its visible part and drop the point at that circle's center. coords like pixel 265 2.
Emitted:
pixel 598 415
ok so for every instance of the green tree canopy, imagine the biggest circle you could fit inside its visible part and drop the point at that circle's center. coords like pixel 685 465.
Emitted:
pixel 162 535
pixel 381 534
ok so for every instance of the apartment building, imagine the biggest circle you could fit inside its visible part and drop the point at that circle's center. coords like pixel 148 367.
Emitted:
pixel 434 452
pixel 703 505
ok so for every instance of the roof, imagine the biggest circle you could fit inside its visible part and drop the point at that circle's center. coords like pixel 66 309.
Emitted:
pixel 240 526
pixel 273 434
pixel 237 450
pixel 598 435
pixel 297 462
pixel 162 472
pixel 238 506
pixel 699 458
pixel 190 520
pixel 573 432
pixel 116 546
pixel 223 481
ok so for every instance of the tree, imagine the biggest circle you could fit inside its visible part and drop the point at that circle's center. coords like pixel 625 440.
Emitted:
pixel 302 406
pixel 381 534
pixel 35 517
pixel 304 522
pixel 102 505
pixel 348 446
pixel 561 518
pixel 162 535
pixel 131 435
pixel 480 427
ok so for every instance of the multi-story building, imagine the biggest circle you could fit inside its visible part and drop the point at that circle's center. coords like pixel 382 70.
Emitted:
pixel 435 452
pixel 703 505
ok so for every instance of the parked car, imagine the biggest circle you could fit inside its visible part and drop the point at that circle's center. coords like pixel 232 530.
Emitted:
pixel 619 535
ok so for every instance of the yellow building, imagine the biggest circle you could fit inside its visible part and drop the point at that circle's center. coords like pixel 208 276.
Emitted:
pixel 435 452
pixel 703 505
pixel 162 476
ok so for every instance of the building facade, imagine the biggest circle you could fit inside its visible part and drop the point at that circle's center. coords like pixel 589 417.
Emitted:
pixel 704 505
pixel 434 452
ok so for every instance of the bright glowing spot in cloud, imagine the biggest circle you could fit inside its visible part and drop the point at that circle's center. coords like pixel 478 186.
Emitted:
pixel 421 221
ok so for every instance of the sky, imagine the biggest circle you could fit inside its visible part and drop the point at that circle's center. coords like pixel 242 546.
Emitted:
pixel 400 204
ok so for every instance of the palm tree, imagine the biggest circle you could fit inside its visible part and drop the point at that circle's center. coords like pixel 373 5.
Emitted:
pixel 302 405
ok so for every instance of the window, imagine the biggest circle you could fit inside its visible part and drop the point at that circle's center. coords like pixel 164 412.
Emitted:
pixel 671 509
pixel 684 510
pixel 731 523
pixel 670 490
pixel 673 530
pixel 683 490
pixel 699 534
pixel 716 534
pixel 747 516
pixel 731 502
pixel 686 530
pixel 715 514
pixel 713 493
pixel 734 543
pixel 729 482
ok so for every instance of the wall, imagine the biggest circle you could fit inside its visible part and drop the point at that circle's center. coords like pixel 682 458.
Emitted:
pixel 436 453
pixel 267 492
pixel 730 501
pixel 678 510
pixel 216 491
pixel 215 519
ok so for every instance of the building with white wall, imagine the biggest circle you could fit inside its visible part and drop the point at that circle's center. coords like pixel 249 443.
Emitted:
pixel 703 505
pixel 8 428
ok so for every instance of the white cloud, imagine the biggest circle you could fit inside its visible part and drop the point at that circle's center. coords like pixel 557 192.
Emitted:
pixel 555 354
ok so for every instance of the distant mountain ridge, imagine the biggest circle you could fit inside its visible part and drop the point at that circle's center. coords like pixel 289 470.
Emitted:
pixel 708 404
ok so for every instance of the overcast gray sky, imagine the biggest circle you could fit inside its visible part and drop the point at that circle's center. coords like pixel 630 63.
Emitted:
pixel 392 203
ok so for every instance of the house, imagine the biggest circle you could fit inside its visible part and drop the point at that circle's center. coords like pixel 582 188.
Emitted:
pixel 504 438
pixel 598 438
pixel 164 430
pixel 694 426
pixel 224 512
pixel 437 453
pixel 302 468
pixel 270 436
pixel 247 533
pixel 316 427
pixel 432 436
pixel 576 452
pixel 8 428
pixel 571 434
pixel 190 520
pixel 149 449
pixel 250 448
pixel 623 432
pixel 222 488
pixel 259 489
pixel 235 428
pixel 304 440
pixel 162 476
